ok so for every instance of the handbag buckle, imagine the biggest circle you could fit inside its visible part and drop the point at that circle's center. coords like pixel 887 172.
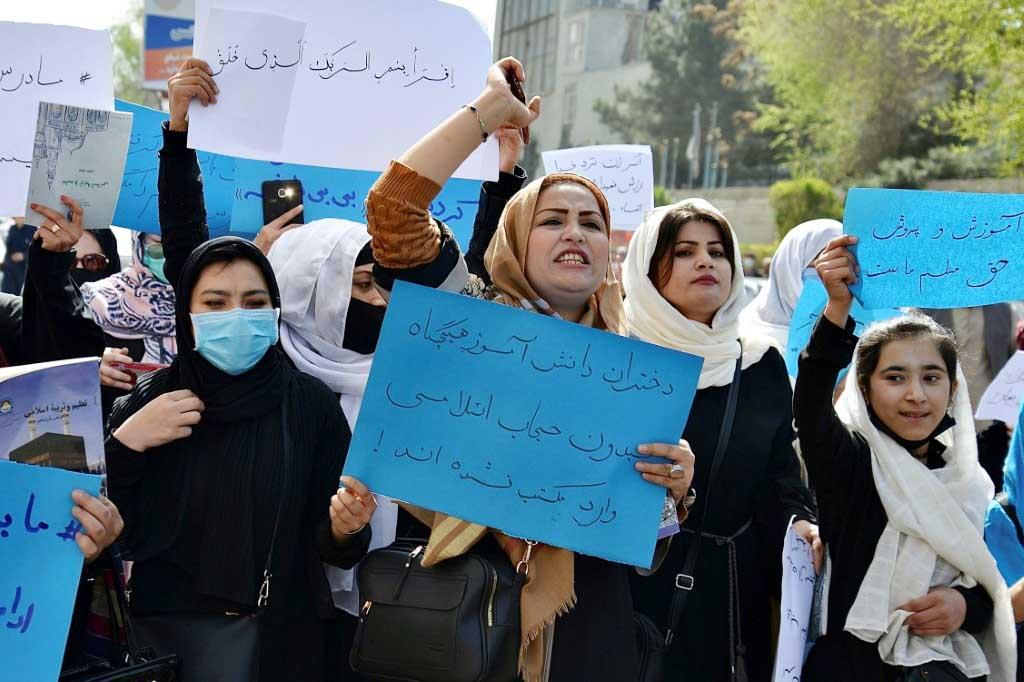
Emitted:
pixel 523 567
pixel 684 582
pixel 264 590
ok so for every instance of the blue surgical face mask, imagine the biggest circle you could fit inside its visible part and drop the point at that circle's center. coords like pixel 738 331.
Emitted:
pixel 156 266
pixel 235 340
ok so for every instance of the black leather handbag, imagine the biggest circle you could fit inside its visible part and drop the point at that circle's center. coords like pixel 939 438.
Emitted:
pixel 457 621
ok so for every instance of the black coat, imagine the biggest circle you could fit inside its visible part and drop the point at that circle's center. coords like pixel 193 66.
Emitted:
pixel 759 480
pixel 199 512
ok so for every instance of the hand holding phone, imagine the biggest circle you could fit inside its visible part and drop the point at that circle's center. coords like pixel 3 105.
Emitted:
pixel 279 197
pixel 517 92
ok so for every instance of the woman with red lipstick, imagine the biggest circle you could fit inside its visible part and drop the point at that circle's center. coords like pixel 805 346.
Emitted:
pixel 914 593
pixel 549 255
pixel 684 290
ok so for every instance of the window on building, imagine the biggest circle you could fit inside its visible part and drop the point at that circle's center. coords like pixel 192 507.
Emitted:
pixel 574 51
pixel 571 101
pixel 633 49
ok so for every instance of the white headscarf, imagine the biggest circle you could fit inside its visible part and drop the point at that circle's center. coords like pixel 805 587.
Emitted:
pixel 772 310
pixel 314 266
pixel 651 318
pixel 933 539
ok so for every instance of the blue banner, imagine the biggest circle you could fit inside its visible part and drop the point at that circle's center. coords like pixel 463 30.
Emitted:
pixel 42 566
pixel 520 421
pixel 810 307
pixel 137 207
pixel 334 193
pixel 936 249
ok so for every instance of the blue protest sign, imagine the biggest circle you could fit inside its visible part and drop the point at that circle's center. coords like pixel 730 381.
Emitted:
pixel 936 249
pixel 334 193
pixel 42 566
pixel 810 307
pixel 521 422
pixel 137 207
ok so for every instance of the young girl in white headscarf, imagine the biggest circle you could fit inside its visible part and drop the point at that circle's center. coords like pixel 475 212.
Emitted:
pixel 914 593
pixel 684 290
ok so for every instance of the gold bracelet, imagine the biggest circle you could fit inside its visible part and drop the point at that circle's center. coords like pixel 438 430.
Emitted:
pixel 480 120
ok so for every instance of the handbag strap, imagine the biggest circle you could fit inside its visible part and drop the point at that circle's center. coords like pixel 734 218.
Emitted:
pixel 264 598
pixel 684 580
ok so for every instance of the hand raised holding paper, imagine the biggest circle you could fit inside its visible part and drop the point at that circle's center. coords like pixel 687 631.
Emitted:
pixel 194 80
pixel 59 233
pixel 838 269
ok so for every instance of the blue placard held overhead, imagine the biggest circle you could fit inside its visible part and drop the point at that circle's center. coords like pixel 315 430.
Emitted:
pixel 520 422
pixel 810 307
pixel 137 207
pixel 334 193
pixel 936 249
pixel 42 566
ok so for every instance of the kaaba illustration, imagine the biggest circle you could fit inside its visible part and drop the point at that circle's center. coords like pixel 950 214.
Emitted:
pixel 64 451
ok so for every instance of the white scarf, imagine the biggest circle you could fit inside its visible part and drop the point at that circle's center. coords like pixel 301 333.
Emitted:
pixel 651 318
pixel 933 539
pixel 772 310
pixel 314 266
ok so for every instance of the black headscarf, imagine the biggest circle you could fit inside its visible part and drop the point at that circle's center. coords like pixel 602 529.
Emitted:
pixel 227 398
pixel 210 507
pixel 108 245
pixel 108 242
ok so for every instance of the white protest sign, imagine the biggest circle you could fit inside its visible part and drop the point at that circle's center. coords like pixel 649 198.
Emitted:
pixel 79 153
pixel 266 44
pixel 368 79
pixel 1002 398
pixel 624 172
pixel 795 612
pixel 41 62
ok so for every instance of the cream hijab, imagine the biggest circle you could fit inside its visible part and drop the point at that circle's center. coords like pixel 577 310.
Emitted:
pixel 314 266
pixel 772 310
pixel 652 318
pixel 933 539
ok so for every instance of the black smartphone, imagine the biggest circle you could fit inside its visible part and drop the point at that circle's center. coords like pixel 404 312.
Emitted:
pixel 517 92
pixel 279 197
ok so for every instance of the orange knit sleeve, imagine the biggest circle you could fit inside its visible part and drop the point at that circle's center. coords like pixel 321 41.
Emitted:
pixel 398 218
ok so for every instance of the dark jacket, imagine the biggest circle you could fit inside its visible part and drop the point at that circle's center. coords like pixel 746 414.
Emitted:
pixel 758 483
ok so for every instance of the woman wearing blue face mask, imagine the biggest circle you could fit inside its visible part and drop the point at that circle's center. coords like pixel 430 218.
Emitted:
pixel 225 466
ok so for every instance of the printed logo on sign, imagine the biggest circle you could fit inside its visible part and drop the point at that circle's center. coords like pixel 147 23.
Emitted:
pixel 180 34
pixel 6 405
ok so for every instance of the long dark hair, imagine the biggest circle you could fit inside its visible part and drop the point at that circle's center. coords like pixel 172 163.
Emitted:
pixel 660 269
pixel 903 328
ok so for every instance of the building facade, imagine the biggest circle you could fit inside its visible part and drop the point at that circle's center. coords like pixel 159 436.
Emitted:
pixel 575 53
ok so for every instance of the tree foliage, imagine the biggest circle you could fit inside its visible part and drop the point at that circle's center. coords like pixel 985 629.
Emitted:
pixel 694 58
pixel 127 39
pixel 851 85
pixel 983 41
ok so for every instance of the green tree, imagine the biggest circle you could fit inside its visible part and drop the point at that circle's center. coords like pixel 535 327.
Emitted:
pixel 694 58
pixel 852 86
pixel 127 39
pixel 982 41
